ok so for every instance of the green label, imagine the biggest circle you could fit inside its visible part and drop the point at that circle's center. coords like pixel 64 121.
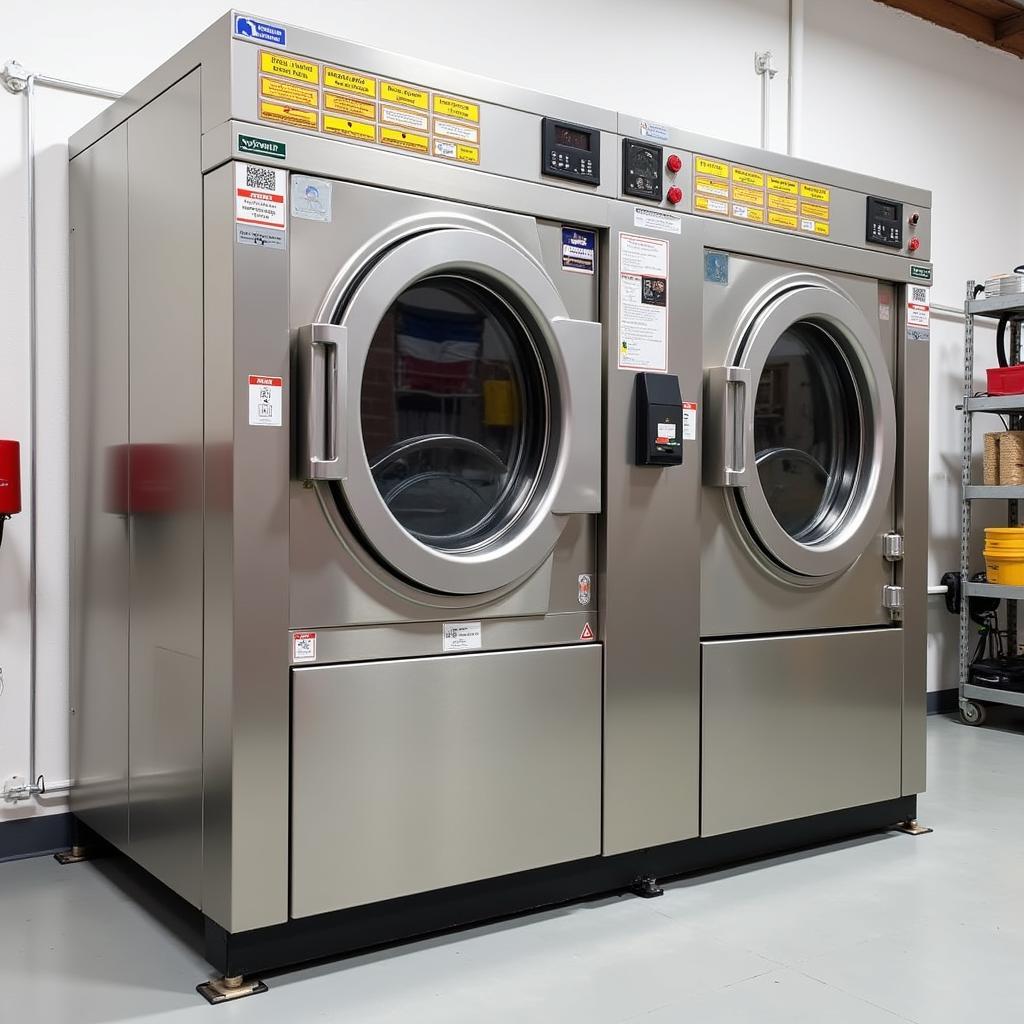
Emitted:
pixel 261 147
pixel 921 273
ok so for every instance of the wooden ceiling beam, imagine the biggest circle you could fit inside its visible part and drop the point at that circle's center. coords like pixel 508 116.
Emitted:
pixel 1006 34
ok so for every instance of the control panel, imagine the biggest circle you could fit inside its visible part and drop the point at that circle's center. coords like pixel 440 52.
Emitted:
pixel 659 420
pixel 570 151
pixel 641 170
pixel 885 222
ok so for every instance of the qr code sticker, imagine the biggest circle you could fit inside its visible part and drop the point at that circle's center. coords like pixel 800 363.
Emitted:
pixel 263 178
pixel 920 294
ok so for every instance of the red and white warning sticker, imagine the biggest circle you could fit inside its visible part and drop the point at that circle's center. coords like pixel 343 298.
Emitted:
pixel 259 206
pixel 265 400
pixel 586 633
pixel 303 646
pixel 918 313
pixel 689 421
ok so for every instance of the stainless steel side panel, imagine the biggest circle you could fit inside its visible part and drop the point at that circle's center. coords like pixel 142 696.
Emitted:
pixel 798 725
pixel 166 522
pixel 99 450
pixel 245 693
pixel 413 775
pixel 912 522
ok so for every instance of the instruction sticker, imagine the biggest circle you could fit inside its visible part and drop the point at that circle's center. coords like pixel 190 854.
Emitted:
pixel 303 646
pixel 393 92
pixel 689 421
pixel 653 130
pixel 712 186
pixel 707 205
pixel 285 114
pixel 265 400
pixel 289 67
pixel 350 129
pixel 450 106
pixel 404 140
pixel 461 636
pixel 455 130
pixel 404 118
pixel 289 92
pixel 350 105
pixel 349 81
pixel 918 313
pixel 579 248
pixel 259 196
pixel 657 220
pixel 643 303
pixel 778 184
pixel 785 203
pixel 311 198
pixel 705 165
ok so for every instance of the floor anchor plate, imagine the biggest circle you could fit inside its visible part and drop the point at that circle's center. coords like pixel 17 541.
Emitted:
pixel 73 856
pixel 222 990
pixel 646 887
pixel 913 828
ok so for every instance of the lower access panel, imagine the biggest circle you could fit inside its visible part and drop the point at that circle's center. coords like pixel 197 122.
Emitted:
pixel 422 773
pixel 798 725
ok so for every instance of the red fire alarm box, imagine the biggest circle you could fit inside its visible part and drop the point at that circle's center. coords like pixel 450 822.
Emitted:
pixel 10 478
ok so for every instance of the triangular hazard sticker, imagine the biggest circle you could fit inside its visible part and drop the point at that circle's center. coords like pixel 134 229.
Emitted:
pixel 587 633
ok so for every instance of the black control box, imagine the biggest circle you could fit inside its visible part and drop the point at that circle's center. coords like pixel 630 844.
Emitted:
pixel 570 151
pixel 885 222
pixel 641 170
pixel 659 420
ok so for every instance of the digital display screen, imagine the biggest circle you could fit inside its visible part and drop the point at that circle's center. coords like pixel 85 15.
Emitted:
pixel 572 137
pixel 885 211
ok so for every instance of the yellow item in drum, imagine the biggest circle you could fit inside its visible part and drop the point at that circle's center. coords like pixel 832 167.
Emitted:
pixel 1004 555
pixel 500 406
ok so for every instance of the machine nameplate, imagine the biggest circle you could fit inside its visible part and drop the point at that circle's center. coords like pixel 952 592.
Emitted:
pixel 351 105
pixel 755 196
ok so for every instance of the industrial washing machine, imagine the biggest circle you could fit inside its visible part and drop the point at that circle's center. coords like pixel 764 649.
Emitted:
pixel 386 559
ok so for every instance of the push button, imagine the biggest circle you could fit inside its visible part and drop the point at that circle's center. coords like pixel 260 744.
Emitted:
pixel 674 195
pixel 673 163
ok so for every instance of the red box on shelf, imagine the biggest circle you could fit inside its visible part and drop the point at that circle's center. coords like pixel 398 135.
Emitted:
pixel 1005 380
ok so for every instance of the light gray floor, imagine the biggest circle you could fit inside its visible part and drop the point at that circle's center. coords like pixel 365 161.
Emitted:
pixel 881 929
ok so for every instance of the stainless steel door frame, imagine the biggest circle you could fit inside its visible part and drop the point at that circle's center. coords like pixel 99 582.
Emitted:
pixel 730 457
pixel 571 480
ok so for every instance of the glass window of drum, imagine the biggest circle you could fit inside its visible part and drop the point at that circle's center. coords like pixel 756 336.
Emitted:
pixel 453 411
pixel 807 431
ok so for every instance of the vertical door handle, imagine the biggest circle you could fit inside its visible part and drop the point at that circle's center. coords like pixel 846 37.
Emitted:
pixel 730 401
pixel 322 378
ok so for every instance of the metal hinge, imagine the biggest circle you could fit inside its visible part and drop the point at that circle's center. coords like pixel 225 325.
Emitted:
pixel 892 599
pixel 892 546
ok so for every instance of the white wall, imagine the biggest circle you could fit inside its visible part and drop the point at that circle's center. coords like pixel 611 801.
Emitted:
pixel 882 93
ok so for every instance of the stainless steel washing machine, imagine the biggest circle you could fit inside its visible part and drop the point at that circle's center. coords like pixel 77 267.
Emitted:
pixel 386 512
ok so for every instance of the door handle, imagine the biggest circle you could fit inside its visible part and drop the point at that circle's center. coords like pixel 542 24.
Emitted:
pixel 322 377
pixel 729 398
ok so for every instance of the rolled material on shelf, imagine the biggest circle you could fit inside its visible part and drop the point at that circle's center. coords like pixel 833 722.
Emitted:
pixel 1011 458
pixel 990 460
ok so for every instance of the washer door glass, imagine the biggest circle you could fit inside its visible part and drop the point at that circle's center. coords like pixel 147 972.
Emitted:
pixel 807 431
pixel 453 411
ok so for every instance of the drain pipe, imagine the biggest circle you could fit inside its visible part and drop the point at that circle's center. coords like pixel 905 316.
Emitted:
pixel 17 80
pixel 764 67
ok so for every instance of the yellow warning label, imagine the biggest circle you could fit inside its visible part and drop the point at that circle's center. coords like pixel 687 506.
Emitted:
pixel 818 193
pixel 814 210
pixel 745 176
pixel 289 92
pixel 289 67
pixel 705 165
pixel 404 140
pixel 782 220
pixel 350 105
pixel 751 213
pixel 817 226
pixel 777 184
pixel 709 205
pixel 404 94
pixel 712 186
pixel 349 81
pixel 820 229
pixel 288 115
pixel 467 154
pixel 449 106
pixel 747 195
pixel 786 203
pixel 350 129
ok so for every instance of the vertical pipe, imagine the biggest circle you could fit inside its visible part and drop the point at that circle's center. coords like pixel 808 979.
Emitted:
pixel 794 111
pixel 33 419
pixel 765 108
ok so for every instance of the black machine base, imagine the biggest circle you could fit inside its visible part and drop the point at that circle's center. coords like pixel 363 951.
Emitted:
pixel 399 920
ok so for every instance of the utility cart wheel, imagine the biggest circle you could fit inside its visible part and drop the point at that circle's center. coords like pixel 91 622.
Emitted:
pixel 972 713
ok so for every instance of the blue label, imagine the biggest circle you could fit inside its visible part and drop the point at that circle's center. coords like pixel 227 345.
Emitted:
pixel 716 267
pixel 652 130
pixel 261 31
pixel 578 250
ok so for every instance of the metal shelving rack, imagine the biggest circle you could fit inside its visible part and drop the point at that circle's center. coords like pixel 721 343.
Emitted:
pixel 974 698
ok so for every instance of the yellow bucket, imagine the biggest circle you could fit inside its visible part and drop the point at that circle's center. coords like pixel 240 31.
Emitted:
pixel 1004 555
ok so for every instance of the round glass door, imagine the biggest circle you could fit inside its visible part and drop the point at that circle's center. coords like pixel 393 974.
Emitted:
pixel 821 432
pixel 807 431
pixel 454 412
pixel 461 410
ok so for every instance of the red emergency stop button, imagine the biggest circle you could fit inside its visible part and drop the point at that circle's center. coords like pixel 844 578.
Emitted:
pixel 673 163
pixel 675 195
pixel 914 244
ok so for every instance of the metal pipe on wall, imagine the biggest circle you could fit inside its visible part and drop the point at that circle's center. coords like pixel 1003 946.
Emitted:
pixel 794 110
pixel 18 81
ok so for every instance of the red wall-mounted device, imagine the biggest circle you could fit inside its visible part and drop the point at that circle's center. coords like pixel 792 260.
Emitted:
pixel 10 478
